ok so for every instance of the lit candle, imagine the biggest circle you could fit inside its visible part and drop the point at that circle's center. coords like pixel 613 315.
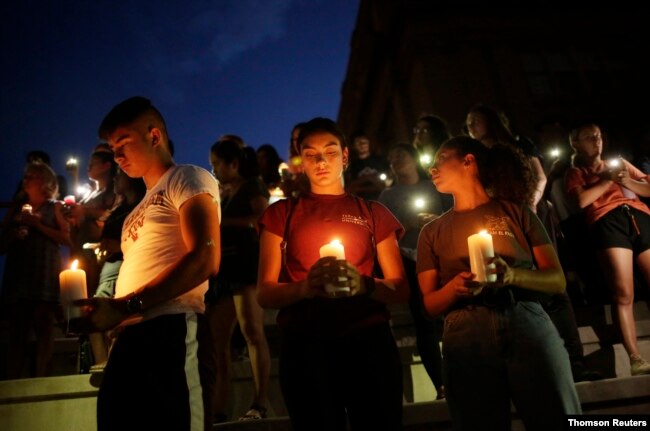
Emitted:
pixel 335 248
pixel 73 286
pixel 425 159
pixel 555 152
pixel 481 249
pixel 419 203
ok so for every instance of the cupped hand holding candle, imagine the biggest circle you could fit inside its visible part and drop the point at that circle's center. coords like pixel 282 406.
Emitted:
pixel 73 286
pixel 335 249
pixel 480 250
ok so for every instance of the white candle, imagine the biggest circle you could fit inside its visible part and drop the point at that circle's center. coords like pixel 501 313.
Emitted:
pixel 335 248
pixel 480 250
pixel 73 286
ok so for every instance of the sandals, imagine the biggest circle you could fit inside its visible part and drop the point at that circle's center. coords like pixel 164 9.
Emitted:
pixel 256 412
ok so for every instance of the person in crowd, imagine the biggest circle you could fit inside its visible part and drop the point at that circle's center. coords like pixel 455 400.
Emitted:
pixel 619 225
pixel 414 202
pixel 269 162
pixel 364 175
pixel 429 133
pixel 33 233
pixel 160 372
pixel 294 182
pixel 487 125
pixel 499 345
pixel 232 296
pixel 128 193
pixel 43 157
pixel 338 361
pixel 87 216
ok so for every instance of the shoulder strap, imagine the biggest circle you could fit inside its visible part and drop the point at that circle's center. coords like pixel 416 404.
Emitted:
pixel 292 202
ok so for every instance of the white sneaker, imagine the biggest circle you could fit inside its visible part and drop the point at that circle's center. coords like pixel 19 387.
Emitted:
pixel 639 366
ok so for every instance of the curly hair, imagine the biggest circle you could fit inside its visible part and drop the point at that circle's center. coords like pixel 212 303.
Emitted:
pixel 504 171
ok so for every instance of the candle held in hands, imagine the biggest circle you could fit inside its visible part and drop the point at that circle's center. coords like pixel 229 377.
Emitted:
pixel 480 250
pixel 73 286
pixel 335 249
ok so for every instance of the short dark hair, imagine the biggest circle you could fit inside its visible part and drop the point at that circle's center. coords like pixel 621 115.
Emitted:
pixel 127 112
pixel 321 125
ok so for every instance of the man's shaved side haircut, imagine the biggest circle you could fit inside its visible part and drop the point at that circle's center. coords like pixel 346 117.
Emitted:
pixel 129 111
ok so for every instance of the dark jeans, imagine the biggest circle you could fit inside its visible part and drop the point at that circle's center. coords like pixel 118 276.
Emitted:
pixel 355 378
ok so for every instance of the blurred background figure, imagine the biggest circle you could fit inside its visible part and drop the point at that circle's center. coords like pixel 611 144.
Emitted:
pixel 231 298
pixel 367 173
pixel 294 183
pixel 429 133
pixel 128 193
pixel 87 216
pixel 489 126
pixel 42 157
pixel 414 201
pixel 269 162
pixel 31 238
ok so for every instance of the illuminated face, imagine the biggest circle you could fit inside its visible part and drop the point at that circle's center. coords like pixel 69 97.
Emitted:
pixel 476 125
pixel 446 170
pixel 323 160
pixel 589 142
pixel 133 147
pixel 421 135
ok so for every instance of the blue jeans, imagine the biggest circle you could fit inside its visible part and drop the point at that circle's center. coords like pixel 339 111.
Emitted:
pixel 492 356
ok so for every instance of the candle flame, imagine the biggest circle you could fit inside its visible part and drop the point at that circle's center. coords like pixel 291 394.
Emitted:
pixel 335 242
pixel 483 232
pixel 613 163
pixel 74 265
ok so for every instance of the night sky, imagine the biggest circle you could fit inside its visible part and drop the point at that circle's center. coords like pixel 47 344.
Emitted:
pixel 248 67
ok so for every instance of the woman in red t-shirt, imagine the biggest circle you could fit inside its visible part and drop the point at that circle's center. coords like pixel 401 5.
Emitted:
pixel 338 362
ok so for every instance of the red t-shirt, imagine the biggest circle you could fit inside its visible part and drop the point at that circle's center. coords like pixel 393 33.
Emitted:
pixel 316 220
pixel 613 197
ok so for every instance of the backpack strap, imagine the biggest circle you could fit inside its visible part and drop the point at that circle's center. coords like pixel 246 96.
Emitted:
pixel 376 271
pixel 292 202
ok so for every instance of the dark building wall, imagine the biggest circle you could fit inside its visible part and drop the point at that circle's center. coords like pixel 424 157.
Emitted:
pixel 410 57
